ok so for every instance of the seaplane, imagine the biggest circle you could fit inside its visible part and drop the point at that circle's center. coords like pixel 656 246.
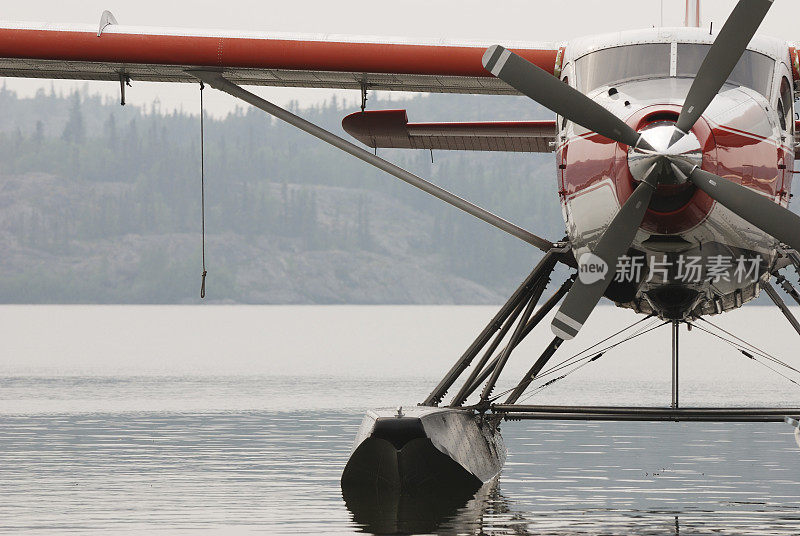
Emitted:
pixel 674 157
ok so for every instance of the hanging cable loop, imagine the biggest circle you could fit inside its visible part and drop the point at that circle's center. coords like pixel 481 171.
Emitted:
pixel 202 195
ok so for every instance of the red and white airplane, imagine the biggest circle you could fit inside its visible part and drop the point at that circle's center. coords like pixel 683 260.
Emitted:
pixel 675 147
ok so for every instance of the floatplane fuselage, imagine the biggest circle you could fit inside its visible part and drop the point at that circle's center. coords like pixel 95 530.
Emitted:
pixel 690 256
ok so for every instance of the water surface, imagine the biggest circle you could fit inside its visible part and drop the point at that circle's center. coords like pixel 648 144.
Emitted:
pixel 109 428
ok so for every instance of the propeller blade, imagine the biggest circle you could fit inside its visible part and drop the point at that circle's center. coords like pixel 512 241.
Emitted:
pixel 583 296
pixel 559 97
pixel 761 211
pixel 721 59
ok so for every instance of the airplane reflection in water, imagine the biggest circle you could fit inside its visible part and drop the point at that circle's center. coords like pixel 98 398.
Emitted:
pixel 610 479
pixel 459 510
pixel 796 424
pixel 488 511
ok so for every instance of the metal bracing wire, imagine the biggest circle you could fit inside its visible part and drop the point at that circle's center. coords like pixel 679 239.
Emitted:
pixel 587 357
pixel 577 357
pixel 742 348
pixel 745 344
pixel 591 358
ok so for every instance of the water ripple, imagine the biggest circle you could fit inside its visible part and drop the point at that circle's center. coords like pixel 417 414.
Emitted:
pixel 279 472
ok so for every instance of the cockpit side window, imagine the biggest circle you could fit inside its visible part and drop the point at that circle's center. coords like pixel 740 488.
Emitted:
pixel 564 119
pixel 785 101
pixel 781 114
pixel 621 64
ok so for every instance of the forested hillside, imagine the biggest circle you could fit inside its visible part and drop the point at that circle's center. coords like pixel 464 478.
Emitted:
pixel 101 204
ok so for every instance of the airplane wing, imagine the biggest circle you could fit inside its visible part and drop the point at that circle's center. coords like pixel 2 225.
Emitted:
pixel 229 60
pixel 112 51
pixel 391 129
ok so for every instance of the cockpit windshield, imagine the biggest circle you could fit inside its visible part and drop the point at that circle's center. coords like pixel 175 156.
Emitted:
pixel 754 70
pixel 652 60
pixel 621 64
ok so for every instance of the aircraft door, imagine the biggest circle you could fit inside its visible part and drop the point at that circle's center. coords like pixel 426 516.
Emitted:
pixel 785 108
pixel 562 136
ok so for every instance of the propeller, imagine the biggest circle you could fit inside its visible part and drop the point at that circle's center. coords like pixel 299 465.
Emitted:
pixel 759 210
pixel 659 159
pixel 549 91
pixel 720 61
pixel 613 244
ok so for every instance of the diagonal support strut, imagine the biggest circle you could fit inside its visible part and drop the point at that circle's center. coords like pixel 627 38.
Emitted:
pixel 218 81
pixel 777 300
pixel 532 323
pixel 534 371
pixel 502 321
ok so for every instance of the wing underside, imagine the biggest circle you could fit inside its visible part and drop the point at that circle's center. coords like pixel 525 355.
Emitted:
pixel 391 129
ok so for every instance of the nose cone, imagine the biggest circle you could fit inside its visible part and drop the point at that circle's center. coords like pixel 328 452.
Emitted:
pixel 644 162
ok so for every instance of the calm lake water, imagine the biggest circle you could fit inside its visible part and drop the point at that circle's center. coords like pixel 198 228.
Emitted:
pixel 239 419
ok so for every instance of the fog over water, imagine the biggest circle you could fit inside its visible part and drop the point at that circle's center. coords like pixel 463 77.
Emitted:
pixel 362 341
pixel 236 419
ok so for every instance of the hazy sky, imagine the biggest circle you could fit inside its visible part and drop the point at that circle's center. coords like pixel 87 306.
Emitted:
pixel 507 20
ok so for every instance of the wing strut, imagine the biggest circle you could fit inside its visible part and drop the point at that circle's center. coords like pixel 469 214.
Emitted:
pixel 777 300
pixel 217 81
